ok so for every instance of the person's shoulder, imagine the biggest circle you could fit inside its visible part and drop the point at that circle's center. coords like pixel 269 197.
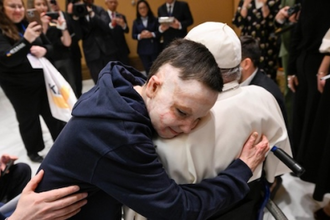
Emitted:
pixel 97 8
pixel 257 90
pixel 162 6
pixel 261 79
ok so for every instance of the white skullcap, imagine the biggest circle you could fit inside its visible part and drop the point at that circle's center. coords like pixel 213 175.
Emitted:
pixel 221 41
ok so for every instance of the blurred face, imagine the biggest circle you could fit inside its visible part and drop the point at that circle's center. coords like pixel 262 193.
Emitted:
pixel 14 10
pixel 89 2
pixel 169 1
pixel 53 5
pixel 143 9
pixel 175 106
pixel 111 4
pixel 40 5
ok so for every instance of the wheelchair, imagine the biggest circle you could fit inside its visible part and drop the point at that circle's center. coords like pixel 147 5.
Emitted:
pixel 252 207
pixel 275 211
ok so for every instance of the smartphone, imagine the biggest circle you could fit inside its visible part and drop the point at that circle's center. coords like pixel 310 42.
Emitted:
pixel 33 15
pixel 8 165
pixel 52 15
pixel 294 9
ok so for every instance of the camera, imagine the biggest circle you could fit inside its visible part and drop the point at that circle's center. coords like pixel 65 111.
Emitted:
pixel 79 9
pixel 53 2
pixel 294 9
pixel 53 15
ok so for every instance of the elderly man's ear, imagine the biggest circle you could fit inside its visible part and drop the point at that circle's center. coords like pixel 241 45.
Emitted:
pixel 153 86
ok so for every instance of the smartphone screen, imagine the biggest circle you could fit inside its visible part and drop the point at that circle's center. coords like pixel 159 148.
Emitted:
pixel 33 15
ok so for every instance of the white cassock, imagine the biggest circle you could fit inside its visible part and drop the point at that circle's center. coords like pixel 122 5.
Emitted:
pixel 219 137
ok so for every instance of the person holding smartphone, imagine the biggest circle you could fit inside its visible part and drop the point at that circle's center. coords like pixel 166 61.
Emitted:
pixel 22 79
pixel 13 177
pixel 57 31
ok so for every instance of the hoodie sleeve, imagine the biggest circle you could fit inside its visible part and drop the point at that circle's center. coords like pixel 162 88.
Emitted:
pixel 142 184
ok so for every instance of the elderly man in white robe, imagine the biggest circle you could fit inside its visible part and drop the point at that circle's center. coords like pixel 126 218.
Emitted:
pixel 210 148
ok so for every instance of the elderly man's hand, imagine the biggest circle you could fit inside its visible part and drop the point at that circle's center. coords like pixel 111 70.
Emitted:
pixel 254 153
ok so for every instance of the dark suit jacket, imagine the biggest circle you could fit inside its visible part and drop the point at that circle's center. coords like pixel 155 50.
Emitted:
pixel 260 79
pixel 182 13
pixel 96 35
pixel 146 46
pixel 118 34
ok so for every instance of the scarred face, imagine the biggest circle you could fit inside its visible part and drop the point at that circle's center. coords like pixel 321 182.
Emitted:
pixel 175 106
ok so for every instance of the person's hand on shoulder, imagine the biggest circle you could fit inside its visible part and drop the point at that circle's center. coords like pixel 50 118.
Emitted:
pixel 55 204
pixel 254 153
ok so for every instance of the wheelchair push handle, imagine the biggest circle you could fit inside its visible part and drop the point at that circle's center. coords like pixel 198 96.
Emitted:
pixel 287 160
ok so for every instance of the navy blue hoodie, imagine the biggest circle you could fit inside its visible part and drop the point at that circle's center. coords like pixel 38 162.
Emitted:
pixel 106 149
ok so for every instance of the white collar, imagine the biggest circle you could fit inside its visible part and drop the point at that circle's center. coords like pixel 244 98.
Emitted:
pixel 229 89
pixel 230 85
pixel 168 4
pixel 249 79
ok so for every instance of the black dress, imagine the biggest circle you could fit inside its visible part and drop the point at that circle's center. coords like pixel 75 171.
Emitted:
pixel 262 29
pixel 318 149
pixel 304 62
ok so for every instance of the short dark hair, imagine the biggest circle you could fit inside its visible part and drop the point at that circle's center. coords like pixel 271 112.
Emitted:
pixel 193 59
pixel 250 49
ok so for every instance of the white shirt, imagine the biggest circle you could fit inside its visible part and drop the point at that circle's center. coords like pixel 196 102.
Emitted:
pixel 168 6
pixel 249 79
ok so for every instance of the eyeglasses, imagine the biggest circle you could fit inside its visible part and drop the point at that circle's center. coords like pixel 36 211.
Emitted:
pixel 14 6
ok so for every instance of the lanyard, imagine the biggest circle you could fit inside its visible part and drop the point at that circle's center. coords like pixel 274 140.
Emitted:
pixel 24 28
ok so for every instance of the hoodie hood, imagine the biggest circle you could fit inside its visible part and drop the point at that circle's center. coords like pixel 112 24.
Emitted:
pixel 113 97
